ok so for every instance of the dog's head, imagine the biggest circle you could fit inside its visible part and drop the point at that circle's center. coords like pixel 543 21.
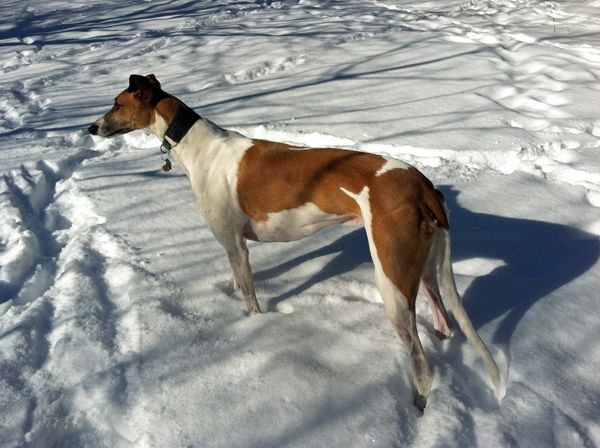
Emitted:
pixel 133 108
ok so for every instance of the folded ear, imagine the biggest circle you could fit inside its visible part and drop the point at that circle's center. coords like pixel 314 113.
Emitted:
pixel 137 83
pixel 153 80
pixel 143 86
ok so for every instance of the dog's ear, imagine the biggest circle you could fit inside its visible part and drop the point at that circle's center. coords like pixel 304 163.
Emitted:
pixel 153 80
pixel 143 87
pixel 137 83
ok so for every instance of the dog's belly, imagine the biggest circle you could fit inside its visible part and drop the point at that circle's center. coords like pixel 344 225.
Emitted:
pixel 293 224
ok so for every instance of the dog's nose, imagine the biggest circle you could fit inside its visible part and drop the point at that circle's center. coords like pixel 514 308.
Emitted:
pixel 93 129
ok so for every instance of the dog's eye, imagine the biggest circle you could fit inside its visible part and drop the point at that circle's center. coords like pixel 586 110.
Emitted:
pixel 116 106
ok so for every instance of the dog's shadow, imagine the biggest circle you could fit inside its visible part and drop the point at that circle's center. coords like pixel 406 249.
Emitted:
pixel 535 258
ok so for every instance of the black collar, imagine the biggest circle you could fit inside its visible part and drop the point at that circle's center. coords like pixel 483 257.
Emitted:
pixel 182 122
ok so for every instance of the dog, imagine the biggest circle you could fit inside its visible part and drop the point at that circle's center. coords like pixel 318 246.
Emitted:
pixel 249 189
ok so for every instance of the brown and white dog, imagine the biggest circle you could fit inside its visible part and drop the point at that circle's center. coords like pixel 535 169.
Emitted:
pixel 268 191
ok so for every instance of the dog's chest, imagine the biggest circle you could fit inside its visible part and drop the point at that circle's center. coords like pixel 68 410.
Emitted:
pixel 211 163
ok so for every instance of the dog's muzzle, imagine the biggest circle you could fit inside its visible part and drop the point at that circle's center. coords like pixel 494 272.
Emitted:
pixel 103 129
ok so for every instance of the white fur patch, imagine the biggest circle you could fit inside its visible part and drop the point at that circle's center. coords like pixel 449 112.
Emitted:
pixel 296 223
pixel 211 156
pixel 392 164
pixel 159 127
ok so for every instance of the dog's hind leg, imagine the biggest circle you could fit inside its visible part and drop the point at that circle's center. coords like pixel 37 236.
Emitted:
pixel 441 319
pixel 399 250
pixel 404 320
pixel 429 280
pixel 402 245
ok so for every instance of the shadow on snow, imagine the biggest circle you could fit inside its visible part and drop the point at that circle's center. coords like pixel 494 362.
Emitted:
pixel 539 257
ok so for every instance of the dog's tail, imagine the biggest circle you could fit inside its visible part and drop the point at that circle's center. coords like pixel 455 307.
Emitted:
pixel 434 201
pixel 450 293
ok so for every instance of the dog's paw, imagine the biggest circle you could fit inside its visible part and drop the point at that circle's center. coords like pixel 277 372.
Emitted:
pixel 442 336
pixel 420 402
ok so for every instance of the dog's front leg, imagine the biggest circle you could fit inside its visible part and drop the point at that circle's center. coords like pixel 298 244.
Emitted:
pixel 242 274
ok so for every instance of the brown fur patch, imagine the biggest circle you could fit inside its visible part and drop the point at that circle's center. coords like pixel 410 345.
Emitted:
pixel 135 109
pixel 167 108
pixel 128 113
pixel 403 225
pixel 274 176
pixel 405 207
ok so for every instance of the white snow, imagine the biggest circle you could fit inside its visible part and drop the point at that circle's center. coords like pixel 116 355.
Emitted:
pixel 115 326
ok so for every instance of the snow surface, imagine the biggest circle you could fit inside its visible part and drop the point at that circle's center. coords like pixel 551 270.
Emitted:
pixel 115 328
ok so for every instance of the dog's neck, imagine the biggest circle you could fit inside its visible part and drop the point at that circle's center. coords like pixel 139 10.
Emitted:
pixel 203 133
pixel 158 126
pixel 168 111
